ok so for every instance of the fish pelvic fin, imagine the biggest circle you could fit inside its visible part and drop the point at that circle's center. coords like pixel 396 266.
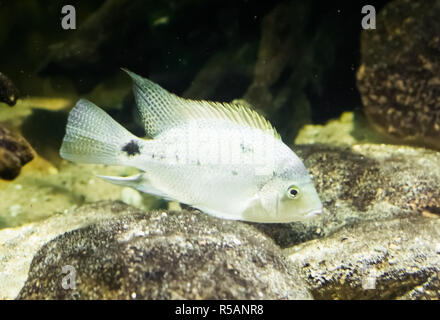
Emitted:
pixel 92 136
pixel 217 213
pixel 139 182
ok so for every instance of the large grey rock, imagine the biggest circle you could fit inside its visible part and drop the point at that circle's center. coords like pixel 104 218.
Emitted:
pixel 363 188
pixel 15 152
pixel 398 258
pixel 164 255
pixel 19 245
pixel 399 74
pixel 364 182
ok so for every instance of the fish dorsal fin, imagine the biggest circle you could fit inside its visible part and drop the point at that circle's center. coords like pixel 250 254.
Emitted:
pixel 161 110
pixel 232 112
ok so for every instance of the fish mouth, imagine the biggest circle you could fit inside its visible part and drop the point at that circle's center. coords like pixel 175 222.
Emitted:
pixel 313 213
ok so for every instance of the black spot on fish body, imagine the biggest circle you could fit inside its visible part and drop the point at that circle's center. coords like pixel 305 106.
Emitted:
pixel 245 148
pixel 131 148
pixel 234 173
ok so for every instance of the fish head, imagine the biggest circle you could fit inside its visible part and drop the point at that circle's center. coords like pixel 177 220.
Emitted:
pixel 298 201
pixel 285 198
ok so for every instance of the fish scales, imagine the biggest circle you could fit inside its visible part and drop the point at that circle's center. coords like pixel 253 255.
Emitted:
pixel 224 159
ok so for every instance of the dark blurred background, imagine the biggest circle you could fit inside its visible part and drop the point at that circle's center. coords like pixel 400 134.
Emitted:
pixel 295 61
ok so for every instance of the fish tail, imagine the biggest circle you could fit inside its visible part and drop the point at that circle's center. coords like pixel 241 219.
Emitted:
pixel 92 136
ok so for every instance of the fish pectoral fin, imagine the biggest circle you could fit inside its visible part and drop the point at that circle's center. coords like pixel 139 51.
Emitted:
pixel 268 198
pixel 260 209
pixel 139 182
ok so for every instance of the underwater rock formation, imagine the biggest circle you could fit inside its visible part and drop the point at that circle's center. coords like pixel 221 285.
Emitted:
pixel 394 259
pixel 349 129
pixel 282 63
pixel 292 60
pixel 399 78
pixel 225 76
pixel 15 152
pixel 381 218
pixel 164 255
pixel 8 92
pixel 170 41
pixel 365 182
pixel 83 52
pixel 19 245
pixel 304 64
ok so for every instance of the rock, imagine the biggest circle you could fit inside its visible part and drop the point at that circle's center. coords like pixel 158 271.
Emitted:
pixel 225 76
pixel 349 129
pixel 304 68
pixel 8 92
pixel 164 255
pixel 364 182
pixel 170 42
pixel 276 83
pixel 82 55
pixel 131 197
pixel 399 76
pixel 393 259
pixel 279 32
pixel 14 118
pixel 19 245
pixel 15 152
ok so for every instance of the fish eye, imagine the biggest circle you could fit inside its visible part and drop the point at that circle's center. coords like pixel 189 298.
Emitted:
pixel 293 192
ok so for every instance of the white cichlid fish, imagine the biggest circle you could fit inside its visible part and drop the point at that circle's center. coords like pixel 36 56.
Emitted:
pixel 224 159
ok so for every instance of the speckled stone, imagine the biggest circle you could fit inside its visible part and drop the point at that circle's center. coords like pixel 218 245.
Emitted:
pixel 399 76
pixel 393 259
pixel 15 152
pixel 164 255
pixel 8 92
pixel 19 245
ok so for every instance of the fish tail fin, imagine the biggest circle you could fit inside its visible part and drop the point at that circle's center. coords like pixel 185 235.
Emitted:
pixel 92 136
